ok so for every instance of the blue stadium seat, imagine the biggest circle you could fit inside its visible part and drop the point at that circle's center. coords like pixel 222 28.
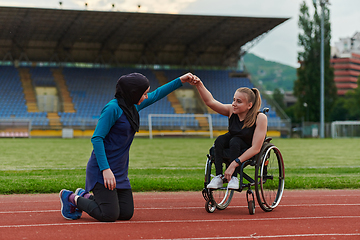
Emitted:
pixel 42 76
pixel 92 88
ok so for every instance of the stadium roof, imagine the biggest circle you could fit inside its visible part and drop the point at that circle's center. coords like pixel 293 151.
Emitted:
pixel 55 35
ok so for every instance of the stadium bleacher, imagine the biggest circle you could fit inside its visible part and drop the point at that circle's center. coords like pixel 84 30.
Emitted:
pixel 42 76
pixel 12 100
pixel 12 97
pixel 92 88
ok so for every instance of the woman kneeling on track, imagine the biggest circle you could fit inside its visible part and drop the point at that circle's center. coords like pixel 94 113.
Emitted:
pixel 107 168
pixel 247 131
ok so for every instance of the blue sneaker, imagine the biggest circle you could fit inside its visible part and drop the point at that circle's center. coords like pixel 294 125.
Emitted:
pixel 80 192
pixel 68 210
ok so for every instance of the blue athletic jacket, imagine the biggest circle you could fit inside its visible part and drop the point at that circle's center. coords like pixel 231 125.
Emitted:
pixel 112 139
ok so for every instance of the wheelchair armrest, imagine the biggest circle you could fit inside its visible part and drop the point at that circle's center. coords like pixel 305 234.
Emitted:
pixel 251 162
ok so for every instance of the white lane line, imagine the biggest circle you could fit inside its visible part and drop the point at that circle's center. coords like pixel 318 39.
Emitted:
pixel 138 197
pixel 287 197
pixel 179 221
pixel 254 236
pixel 36 201
pixel 29 211
pixel 320 204
pixel 188 207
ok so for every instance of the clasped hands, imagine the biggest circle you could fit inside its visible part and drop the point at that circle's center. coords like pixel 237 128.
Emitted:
pixel 190 78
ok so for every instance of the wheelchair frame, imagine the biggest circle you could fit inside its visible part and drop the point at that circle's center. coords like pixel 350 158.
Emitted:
pixel 269 181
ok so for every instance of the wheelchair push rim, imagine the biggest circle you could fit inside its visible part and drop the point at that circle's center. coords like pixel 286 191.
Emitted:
pixel 221 197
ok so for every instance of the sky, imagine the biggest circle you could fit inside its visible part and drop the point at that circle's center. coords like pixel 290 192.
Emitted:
pixel 279 45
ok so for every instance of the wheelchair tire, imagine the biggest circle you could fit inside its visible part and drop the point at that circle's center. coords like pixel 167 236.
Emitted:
pixel 269 177
pixel 251 207
pixel 221 197
pixel 209 206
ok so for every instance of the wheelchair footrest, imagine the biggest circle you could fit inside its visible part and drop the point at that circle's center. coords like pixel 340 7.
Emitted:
pixel 205 194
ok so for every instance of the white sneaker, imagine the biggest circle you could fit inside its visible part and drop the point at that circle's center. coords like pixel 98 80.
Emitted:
pixel 234 183
pixel 216 182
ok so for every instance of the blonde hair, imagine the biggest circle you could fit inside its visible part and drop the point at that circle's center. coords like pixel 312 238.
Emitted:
pixel 253 96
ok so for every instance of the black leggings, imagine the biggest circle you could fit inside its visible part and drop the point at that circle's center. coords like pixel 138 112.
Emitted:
pixel 107 205
pixel 236 147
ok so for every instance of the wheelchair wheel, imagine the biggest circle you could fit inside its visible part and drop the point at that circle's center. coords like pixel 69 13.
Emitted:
pixel 251 207
pixel 221 197
pixel 269 177
pixel 251 201
pixel 209 206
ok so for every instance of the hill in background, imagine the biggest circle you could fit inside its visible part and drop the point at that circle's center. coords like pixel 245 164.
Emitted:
pixel 269 75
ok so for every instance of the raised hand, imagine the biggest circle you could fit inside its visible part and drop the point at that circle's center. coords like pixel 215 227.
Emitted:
pixel 188 77
pixel 195 81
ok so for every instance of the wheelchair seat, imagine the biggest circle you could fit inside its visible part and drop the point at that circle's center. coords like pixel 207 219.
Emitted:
pixel 226 154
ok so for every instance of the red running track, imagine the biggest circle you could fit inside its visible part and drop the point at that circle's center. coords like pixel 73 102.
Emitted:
pixel 320 214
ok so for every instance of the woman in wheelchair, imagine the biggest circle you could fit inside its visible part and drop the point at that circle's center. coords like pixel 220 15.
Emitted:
pixel 247 131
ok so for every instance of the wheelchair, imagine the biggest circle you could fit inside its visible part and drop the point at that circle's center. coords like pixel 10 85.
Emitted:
pixel 268 180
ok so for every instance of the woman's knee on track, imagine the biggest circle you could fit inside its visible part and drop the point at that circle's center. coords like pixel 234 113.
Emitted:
pixel 110 215
pixel 126 214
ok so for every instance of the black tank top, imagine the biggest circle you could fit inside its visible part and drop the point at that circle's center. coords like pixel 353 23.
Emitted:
pixel 235 129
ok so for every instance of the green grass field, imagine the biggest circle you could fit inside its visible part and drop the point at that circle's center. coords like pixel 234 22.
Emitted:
pixel 169 164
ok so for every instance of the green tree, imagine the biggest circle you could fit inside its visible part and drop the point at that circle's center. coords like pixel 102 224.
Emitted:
pixel 340 113
pixel 307 85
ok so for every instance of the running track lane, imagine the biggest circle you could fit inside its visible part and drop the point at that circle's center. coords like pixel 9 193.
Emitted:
pixel 321 214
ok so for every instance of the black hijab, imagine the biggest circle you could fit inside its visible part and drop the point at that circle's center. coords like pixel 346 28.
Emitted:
pixel 129 90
